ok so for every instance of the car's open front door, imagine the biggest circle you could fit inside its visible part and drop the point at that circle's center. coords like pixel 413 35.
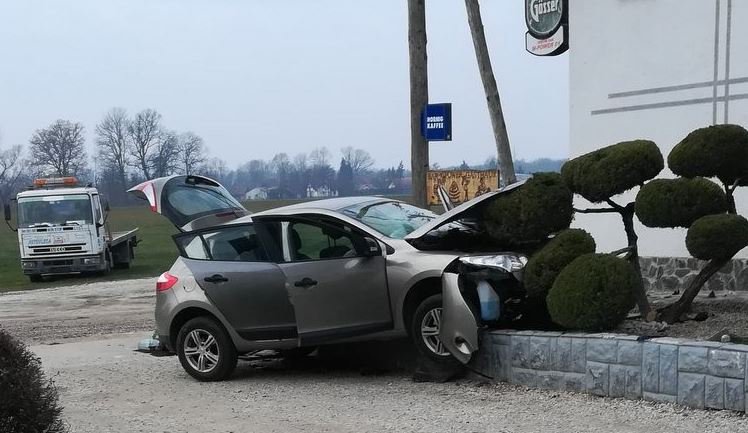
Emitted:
pixel 337 281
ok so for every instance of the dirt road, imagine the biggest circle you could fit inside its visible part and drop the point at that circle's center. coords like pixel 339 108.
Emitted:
pixel 52 315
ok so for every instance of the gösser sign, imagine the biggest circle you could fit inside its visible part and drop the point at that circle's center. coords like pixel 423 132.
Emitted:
pixel 547 27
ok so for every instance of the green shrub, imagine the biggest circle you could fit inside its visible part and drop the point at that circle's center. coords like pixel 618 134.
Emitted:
pixel 679 202
pixel 530 213
pixel 545 265
pixel 717 236
pixel 593 293
pixel 613 170
pixel 719 151
pixel 28 401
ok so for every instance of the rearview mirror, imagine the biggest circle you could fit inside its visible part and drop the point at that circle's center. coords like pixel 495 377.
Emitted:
pixel 6 209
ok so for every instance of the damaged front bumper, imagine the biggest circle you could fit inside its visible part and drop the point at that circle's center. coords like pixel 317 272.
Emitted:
pixel 478 291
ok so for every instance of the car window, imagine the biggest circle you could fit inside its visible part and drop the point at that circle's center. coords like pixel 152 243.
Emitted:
pixel 309 241
pixel 235 244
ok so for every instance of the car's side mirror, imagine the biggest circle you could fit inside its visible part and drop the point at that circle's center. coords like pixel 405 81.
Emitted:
pixel 373 248
pixel 6 211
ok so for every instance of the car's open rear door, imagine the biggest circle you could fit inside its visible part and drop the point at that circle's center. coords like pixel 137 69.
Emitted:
pixel 190 202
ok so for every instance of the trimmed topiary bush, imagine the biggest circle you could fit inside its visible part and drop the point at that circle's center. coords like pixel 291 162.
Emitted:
pixel 604 173
pixel 595 292
pixel 717 237
pixel 28 401
pixel 679 202
pixel 719 151
pixel 530 213
pixel 545 265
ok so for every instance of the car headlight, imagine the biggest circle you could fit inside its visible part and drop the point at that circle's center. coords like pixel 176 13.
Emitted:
pixel 507 262
pixel 91 260
pixel 28 265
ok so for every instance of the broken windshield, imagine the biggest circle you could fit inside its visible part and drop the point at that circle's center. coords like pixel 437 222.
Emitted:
pixel 55 210
pixel 391 218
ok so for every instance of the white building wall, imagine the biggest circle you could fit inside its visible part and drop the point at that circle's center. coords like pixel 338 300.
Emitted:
pixel 645 69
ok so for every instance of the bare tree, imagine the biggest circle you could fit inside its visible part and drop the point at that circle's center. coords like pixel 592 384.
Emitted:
pixel 281 165
pixel 59 148
pixel 359 159
pixel 164 157
pixel 215 168
pixel 191 152
pixel 12 171
pixel 145 134
pixel 300 162
pixel 320 157
pixel 113 141
pixel 506 164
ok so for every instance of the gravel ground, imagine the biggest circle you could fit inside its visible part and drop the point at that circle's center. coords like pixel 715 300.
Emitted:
pixel 52 315
pixel 107 387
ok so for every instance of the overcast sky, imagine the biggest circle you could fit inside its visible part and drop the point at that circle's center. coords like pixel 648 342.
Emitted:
pixel 258 77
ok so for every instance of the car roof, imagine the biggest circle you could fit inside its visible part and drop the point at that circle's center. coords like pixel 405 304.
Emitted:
pixel 41 192
pixel 329 204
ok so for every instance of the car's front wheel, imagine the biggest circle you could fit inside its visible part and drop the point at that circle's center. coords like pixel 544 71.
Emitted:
pixel 205 350
pixel 424 329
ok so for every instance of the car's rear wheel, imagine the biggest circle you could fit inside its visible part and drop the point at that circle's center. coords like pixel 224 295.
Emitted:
pixel 205 350
pixel 424 329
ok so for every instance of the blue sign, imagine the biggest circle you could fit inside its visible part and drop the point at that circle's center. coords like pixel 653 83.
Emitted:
pixel 436 122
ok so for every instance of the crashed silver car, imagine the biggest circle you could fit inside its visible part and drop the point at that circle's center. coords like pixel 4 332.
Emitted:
pixel 321 272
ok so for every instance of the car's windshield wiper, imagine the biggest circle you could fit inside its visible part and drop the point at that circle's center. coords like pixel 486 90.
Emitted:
pixel 72 222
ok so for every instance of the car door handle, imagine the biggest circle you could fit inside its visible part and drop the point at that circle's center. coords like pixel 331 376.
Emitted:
pixel 216 278
pixel 305 282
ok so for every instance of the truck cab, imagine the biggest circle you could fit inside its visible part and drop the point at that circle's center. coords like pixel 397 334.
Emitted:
pixel 62 229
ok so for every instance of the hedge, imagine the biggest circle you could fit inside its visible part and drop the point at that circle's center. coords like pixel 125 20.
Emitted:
pixel 545 265
pixel 28 401
pixel 530 213
pixel 613 170
pixel 719 151
pixel 717 236
pixel 679 202
pixel 595 292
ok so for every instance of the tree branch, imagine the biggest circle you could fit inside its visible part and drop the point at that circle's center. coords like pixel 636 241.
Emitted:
pixel 614 205
pixel 597 210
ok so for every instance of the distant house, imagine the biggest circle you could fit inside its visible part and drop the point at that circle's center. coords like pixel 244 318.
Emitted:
pixel 320 192
pixel 259 193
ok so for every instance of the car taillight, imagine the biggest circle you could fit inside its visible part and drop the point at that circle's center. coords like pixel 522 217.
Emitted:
pixel 165 282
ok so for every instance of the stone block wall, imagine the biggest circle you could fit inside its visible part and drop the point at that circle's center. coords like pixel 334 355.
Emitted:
pixel 670 273
pixel 697 374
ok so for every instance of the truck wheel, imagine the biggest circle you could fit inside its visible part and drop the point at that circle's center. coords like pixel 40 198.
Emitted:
pixel 36 278
pixel 424 330
pixel 205 350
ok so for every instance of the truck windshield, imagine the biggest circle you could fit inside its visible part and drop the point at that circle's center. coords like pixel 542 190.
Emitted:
pixel 54 210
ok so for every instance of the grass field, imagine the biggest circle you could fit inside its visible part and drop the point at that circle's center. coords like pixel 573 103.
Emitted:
pixel 155 252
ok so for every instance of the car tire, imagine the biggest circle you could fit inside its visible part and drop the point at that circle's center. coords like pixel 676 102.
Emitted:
pixel 426 315
pixel 36 278
pixel 205 350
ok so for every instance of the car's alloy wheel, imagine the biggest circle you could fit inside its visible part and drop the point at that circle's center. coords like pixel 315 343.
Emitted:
pixel 424 330
pixel 201 350
pixel 205 349
pixel 430 326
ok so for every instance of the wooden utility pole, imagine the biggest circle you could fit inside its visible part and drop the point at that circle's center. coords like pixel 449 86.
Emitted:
pixel 419 97
pixel 506 164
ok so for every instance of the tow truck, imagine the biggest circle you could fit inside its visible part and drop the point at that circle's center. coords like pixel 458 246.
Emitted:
pixel 62 229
